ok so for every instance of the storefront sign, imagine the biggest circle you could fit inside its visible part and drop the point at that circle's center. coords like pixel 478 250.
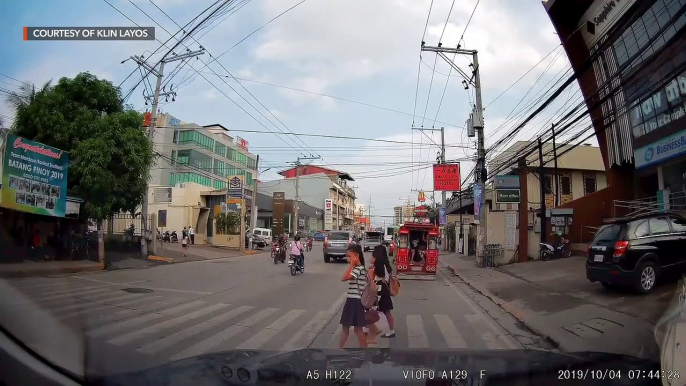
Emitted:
pixel 447 177
pixel 328 214
pixel 162 195
pixel 242 143
pixel 34 177
pixel 511 196
pixel 478 197
pixel 278 203
pixel 442 219
pixel 506 182
pixel 162 218
pixel 600 17
pixel 235 189
pixel 421 211
pixel 662 150
pixel 421 197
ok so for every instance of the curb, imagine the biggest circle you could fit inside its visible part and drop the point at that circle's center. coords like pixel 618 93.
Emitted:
pixel 161 258
pixel 501 303
pixel 50 272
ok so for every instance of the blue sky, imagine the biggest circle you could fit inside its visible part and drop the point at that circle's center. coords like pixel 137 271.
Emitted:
pixel 355 49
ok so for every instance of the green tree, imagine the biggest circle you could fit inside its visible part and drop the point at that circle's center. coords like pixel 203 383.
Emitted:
pixel 109 150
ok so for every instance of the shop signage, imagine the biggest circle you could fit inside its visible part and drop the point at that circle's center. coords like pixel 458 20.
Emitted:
pixel 506 182
pixel 421 211
pixel 34 177
pixel 162 218
pixel 328 214
pixel 511 196
pixel 659 109
pixel 242 143
pixel 162 195
pixel 662 150
pixel 600 17
pixel 278 209
pixel 442 219
pixel 235 187
pixel 174 122
pixel 447 177
pixel 421 197
pixel 478 197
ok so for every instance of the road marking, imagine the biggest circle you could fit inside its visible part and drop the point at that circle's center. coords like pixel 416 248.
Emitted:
pixel 107 304
pixel 104 330
pixel 128 284
pixel 416 333
pixel 177 337
pixel 450 333
pixel 80 305
pixel 211 342
pixel 132 336
pixel 263 314
pixel 135 301
pixel 479 313
pixel 258 340
pixel 110 283
pixel 71 292
pixel 40 287
pixel 160 305
pixel 308 332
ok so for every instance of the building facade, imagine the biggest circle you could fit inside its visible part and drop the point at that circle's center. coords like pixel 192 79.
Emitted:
pixel 205 155
pixel 631 57
pixel 402 214
pixel 316 185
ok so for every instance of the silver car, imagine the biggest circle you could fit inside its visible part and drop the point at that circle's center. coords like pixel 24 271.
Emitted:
pixel 372 240
pixel 336 245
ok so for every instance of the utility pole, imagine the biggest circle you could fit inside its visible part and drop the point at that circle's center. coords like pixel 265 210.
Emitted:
pixel 159 73
pixel 253 207
pixel 477 122
pixel 541 174
pixel 296 202
pixel 557 179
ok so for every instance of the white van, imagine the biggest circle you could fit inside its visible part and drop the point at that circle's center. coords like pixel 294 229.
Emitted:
pixel 265 233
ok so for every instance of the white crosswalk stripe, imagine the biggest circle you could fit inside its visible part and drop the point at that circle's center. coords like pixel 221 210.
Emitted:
pixel 213 341
pixel 130 337
pixel 452 335
pixel 258 340
pixel 110 328
pixel 82 305
pixel 177 337
pixel 416 332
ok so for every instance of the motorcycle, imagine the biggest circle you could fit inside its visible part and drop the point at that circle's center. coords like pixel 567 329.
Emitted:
pixel 279 254
pixel 547 250
pixel 257 242
pixel 308 247
pixel 296 264
pixel 174 238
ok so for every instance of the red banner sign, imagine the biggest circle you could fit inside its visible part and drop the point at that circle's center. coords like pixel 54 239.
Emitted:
pixel 447 177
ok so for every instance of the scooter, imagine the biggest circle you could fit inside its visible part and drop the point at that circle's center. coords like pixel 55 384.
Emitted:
pixel 174 238
pixel 547 251
pixel 309 245
pixel 296 264
pixel 279 254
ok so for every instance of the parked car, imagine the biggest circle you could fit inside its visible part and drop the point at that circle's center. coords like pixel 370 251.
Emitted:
pixel 636 251
pixel 319 236
pixel 336 245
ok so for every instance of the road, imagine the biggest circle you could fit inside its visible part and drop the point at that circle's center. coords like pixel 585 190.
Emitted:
pixel 111 322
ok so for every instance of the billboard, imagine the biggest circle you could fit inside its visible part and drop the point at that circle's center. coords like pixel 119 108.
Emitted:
pixel 447 177
pixel 328 214
pixel 278 204
pixel 235 187
pixel 34 177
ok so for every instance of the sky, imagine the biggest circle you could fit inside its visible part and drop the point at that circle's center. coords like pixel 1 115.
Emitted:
pixel 364 54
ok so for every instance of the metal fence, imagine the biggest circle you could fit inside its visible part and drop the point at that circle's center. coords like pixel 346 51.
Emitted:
pixel 492 252
pixel 126 223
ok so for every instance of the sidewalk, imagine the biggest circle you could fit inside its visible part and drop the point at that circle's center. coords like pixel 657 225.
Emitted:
pixel 573 322
pixel 172 252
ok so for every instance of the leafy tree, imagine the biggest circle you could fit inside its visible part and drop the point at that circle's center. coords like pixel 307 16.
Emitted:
pixel 109 150
pixel 228 223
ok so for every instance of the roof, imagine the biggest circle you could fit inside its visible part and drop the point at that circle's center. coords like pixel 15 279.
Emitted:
pixel 581 157
pixel 342 175
pixel 215 125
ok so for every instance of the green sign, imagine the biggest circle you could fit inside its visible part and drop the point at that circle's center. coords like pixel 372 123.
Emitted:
pixel 34 177
pixel 507 196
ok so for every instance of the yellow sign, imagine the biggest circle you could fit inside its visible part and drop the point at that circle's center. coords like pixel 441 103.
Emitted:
pixel 422 196
pixel 234 200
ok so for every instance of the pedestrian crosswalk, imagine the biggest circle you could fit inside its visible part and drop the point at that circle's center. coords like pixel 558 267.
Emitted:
pixel 173 328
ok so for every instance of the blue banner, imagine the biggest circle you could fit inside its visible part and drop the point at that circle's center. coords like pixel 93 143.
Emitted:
pixel 478 197
pixel 442 220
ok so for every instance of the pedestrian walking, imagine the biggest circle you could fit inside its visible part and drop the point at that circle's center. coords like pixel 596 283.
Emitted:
pixel 382 273
pixel 191 232
pixel 353 312
pixel 184 241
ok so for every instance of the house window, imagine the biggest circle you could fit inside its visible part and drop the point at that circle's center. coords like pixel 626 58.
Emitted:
pixel 565 185
pixel 176 136
pixel 589 183
pixel 173 157
pixel 548 184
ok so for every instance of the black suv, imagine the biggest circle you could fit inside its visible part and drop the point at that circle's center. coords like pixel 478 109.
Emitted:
pixel 637 250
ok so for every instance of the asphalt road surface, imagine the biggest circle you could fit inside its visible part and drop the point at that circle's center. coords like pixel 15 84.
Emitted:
pixel 112 322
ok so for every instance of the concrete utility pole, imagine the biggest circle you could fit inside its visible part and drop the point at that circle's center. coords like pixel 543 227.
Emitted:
pixel 159 73
pixel 541 173
pixel 253 207
pixel 477 122
pixel 557 178
pixel 296 202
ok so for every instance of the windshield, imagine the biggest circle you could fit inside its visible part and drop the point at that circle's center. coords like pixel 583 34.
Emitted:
pixel 158 158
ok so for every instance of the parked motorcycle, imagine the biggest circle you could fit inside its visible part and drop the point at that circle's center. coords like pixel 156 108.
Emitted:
pixel 296 264
pixel 257 242
pixel 547 250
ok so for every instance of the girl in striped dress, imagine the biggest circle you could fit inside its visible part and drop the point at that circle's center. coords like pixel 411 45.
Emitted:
pixel 353 310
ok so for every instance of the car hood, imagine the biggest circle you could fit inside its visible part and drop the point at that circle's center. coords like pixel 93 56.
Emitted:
pixel 381 367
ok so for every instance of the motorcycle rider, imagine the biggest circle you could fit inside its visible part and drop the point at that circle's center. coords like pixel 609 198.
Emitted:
pixel 297 251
